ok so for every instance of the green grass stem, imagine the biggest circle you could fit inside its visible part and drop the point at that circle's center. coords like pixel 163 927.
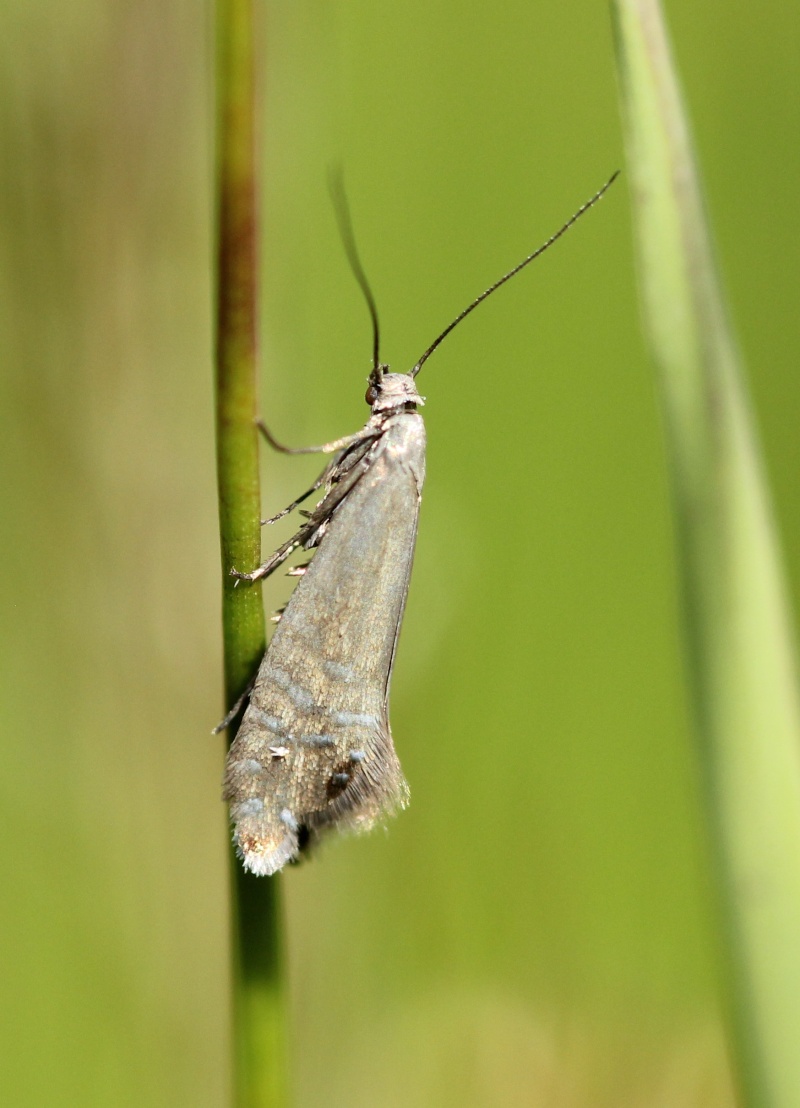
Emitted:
pixel 259 1064
pixel 740 646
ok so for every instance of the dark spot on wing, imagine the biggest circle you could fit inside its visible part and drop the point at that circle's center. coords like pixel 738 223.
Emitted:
pixel 339 779
pixel 303 839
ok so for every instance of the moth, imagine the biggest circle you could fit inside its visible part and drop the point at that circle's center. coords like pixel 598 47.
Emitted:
pixel 314 750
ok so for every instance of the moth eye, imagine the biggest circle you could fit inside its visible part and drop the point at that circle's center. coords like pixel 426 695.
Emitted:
pixel 371 395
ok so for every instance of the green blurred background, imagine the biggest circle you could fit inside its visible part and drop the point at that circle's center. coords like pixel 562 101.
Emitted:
pixel 537 928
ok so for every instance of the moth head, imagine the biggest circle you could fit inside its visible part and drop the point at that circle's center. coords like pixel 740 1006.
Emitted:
pixel 391 390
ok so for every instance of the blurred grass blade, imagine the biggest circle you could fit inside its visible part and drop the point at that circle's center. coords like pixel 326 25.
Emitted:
pixel 256 966
pixel 737 617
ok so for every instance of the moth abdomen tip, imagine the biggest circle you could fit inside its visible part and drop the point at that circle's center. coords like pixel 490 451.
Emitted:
pixel 264 850
pixel 262 864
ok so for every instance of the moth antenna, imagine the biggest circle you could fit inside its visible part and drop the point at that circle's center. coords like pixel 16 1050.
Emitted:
pixel 513 272
pixel 347 235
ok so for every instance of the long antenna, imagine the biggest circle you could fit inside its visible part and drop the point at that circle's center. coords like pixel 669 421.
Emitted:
pixel 493 288
pixel 345 223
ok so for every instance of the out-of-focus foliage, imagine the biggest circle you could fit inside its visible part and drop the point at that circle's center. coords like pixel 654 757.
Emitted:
pixel 741 655
pixel 535 929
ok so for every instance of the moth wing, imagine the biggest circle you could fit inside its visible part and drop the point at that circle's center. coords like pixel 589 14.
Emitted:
pixel 314 749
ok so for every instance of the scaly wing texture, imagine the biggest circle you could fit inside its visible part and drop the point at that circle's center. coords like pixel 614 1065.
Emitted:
pixel 314 748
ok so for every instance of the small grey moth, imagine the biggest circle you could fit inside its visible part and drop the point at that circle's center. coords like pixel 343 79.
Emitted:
pixel 314 750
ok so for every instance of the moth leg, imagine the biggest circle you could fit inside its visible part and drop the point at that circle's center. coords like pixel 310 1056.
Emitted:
pixel 326 448
pixel 289 507
pixel 237 707
pixel 274 560
pixel 320 481
pixel 330 473
pixel 341 484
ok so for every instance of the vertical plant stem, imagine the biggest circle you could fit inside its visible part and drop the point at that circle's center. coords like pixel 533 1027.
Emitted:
pixel 259 1066
pixel 741 650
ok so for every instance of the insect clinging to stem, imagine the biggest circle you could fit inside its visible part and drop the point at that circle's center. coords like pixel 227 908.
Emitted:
pixel 314 750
